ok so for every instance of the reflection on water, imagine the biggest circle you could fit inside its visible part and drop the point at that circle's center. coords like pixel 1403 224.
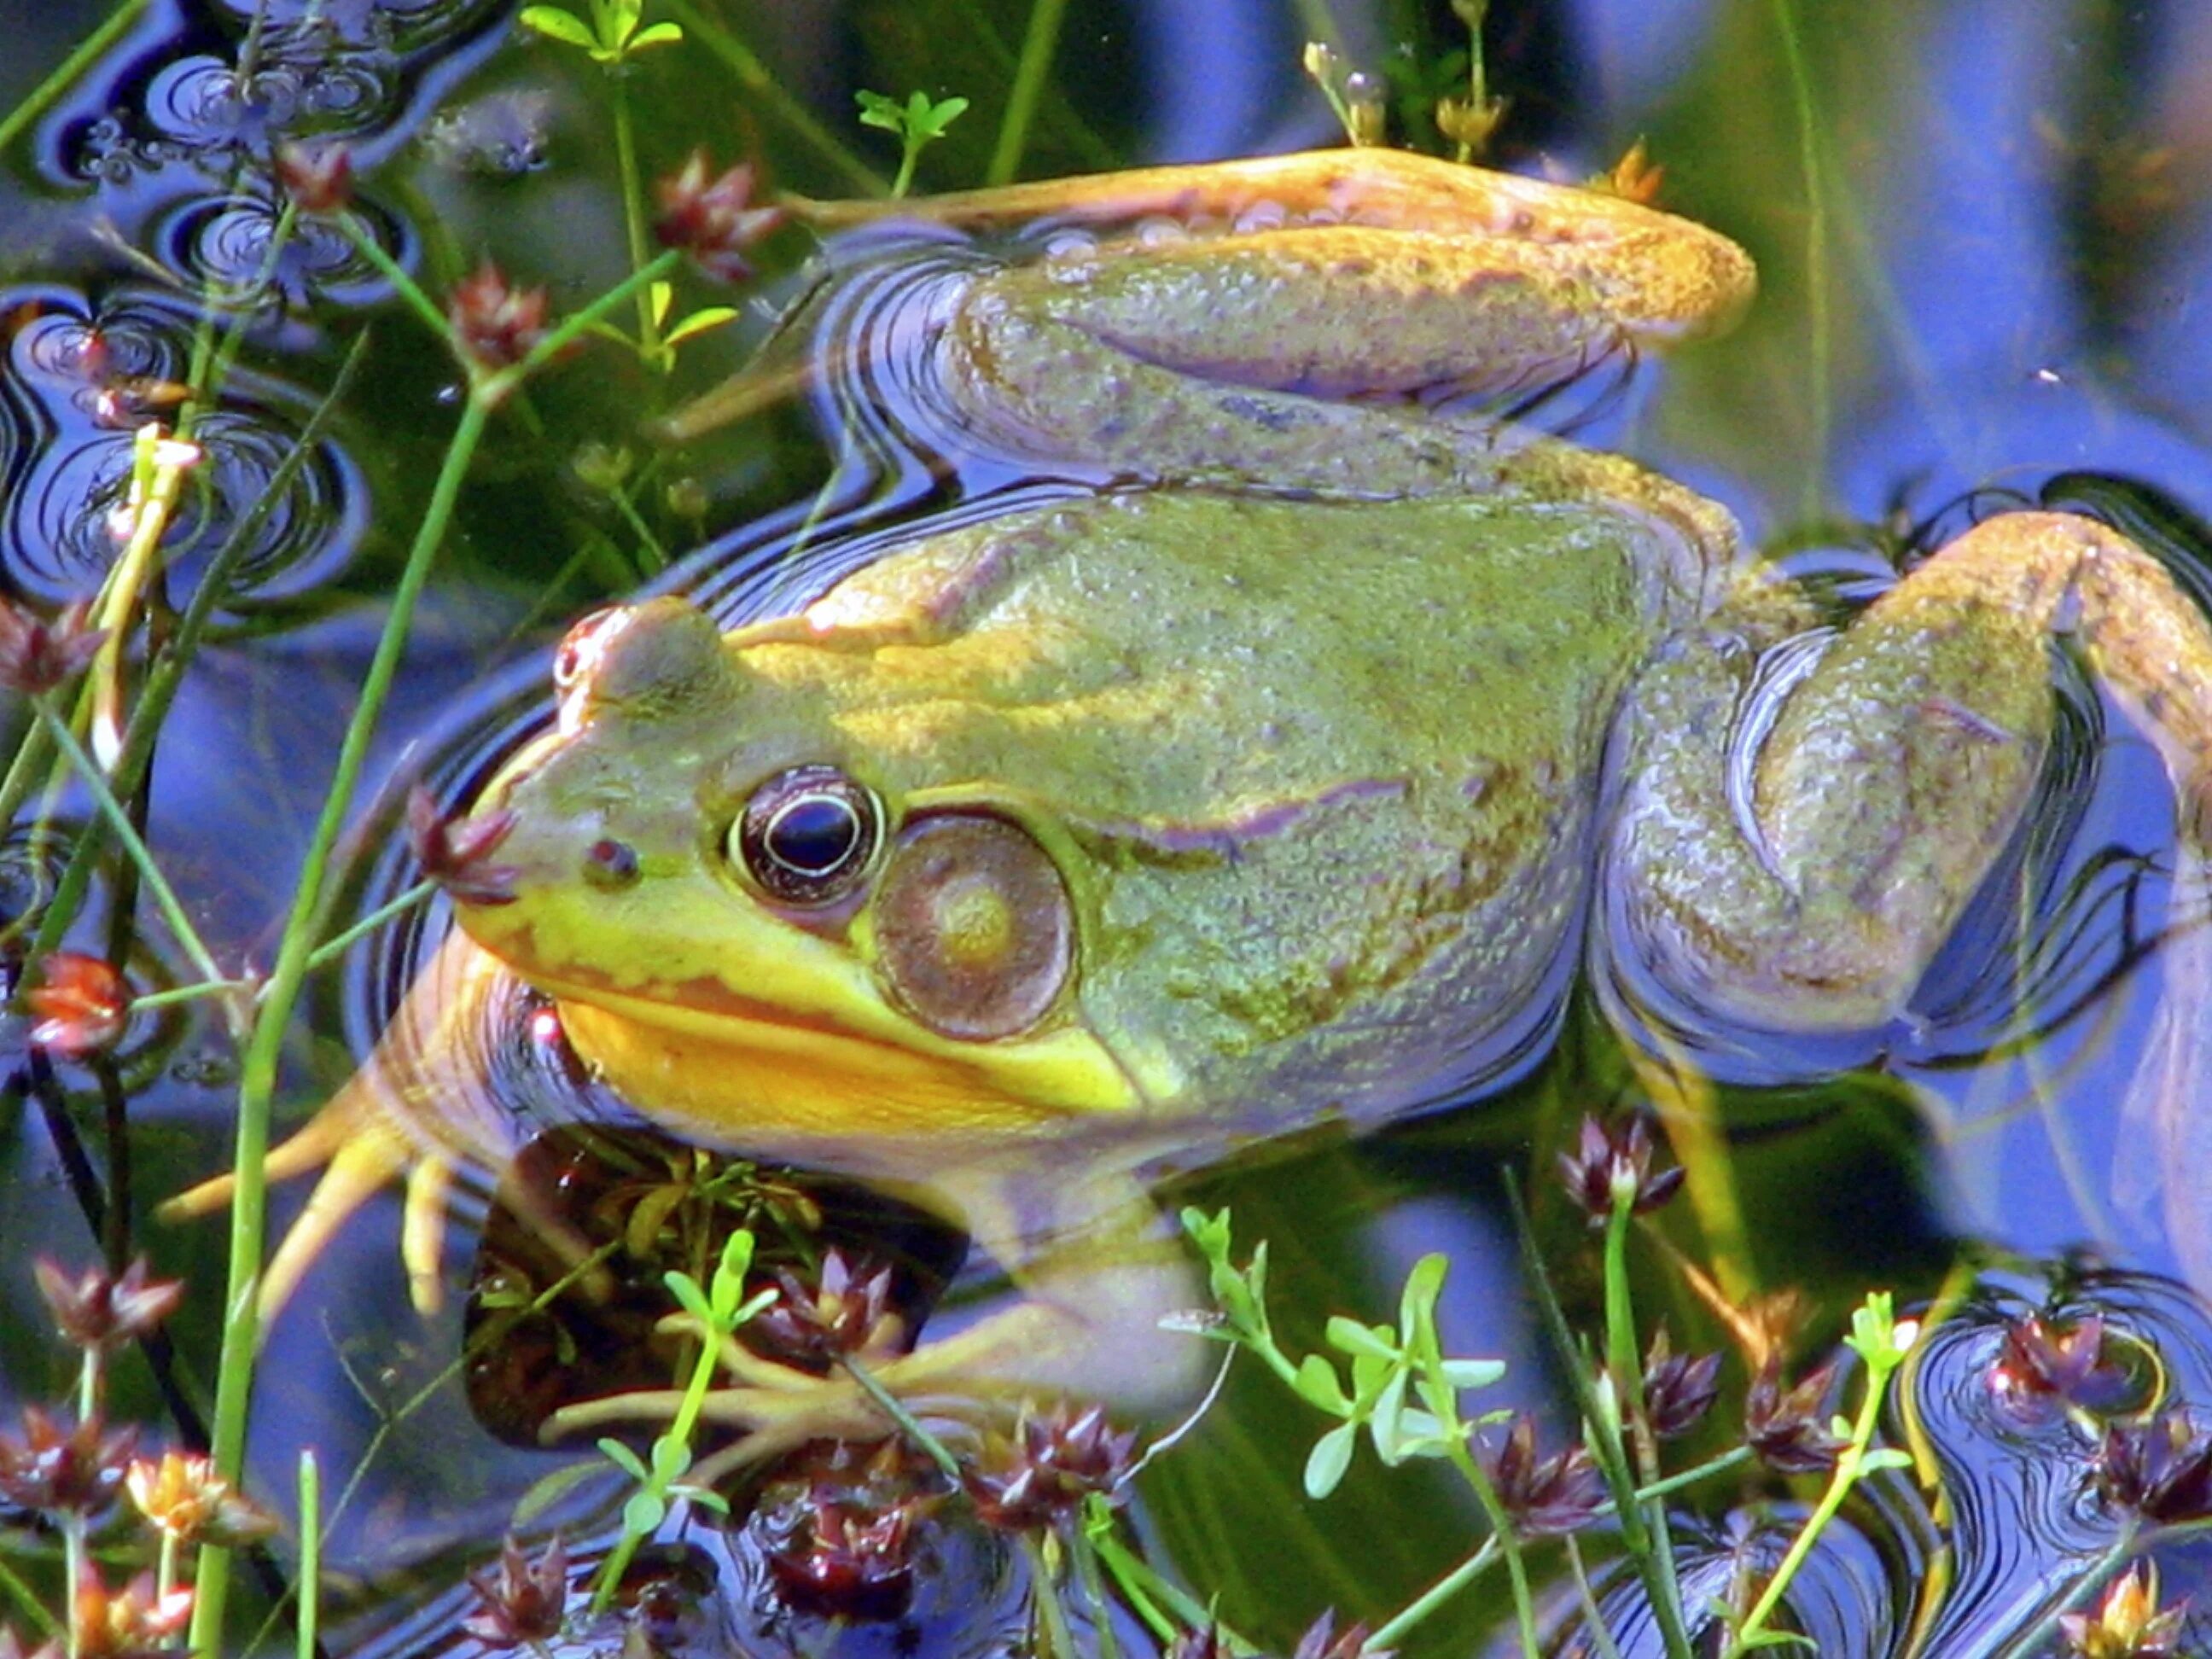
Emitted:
pixel 1990 278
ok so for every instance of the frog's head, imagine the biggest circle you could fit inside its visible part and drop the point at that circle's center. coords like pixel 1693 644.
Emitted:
pixel 747 924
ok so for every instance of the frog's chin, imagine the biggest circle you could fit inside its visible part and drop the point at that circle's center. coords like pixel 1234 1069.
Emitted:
pixel 740 1071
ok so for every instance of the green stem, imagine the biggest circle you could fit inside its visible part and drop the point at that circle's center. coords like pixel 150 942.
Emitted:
pixel 73 1570
pixel 67 71
pixel 1656 1561
pixel 1841 1480
pixel 1509 1545
pixel 29 1603
pixel 908 1425
pixel 310 1576
pixel 633 197
pixel 1818 320
pixel 570 328
pixel 338 943
pixel 167 676
pixel 120 824
pixel 258 1070
pixel 1148 1592
pixel 1039 43
pixel 1390 1633
pixel 1713 1465
pixel 393 272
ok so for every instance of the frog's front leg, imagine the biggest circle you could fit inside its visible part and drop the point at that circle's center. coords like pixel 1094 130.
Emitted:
pixel 1091 1289
pixel 1799 872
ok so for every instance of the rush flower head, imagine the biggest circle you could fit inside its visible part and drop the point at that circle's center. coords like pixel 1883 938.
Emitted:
pixel 455 850
pixel 1607 1162
pixel 2161 1467
pixel 843 1558
pixel 139 1621
pixel 843 1313
pixel 2046 1365
pixel 1788 1427
pixel 38 656
pixel 319 177
pixel 496 324
pixel 183 1496
pixel 712 219
pixel 99 1309
pixel 57 1469
pixel 1545 1496
pixel 1678 1389
pixel 2128 1623
pixel 525 1602
pixel 1040 1476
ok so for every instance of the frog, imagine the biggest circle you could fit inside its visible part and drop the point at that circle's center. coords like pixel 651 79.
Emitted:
pixel 1285 778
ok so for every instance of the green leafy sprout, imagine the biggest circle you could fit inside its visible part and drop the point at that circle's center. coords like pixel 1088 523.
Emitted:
pixel 919 122
pixel 610 36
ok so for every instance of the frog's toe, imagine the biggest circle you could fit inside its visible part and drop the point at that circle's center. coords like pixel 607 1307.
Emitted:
pixel 373 1158
pixel 316 1144
pixel 358 1160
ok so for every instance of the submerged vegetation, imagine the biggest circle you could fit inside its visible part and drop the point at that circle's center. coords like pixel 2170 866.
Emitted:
pixel 1575 1530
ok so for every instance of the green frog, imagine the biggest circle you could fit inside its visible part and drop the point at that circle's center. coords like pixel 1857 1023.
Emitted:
pixel 1272 784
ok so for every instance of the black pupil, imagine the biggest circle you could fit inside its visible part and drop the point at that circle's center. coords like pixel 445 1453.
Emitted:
pixel 813 835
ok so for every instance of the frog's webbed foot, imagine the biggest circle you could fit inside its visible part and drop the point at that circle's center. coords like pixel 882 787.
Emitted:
pixel 406 1112
pixel 1086 1323
pixel 1801 831
pixel 358 1158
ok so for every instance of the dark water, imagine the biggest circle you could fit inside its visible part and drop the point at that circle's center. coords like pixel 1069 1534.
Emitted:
pixel 1984 237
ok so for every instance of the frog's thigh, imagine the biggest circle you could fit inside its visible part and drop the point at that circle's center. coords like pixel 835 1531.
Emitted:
pixel 1800 872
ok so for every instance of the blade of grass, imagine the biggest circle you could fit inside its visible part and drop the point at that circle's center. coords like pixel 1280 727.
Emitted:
pixel 67 71
pixel 258 1072
pixel 1040 41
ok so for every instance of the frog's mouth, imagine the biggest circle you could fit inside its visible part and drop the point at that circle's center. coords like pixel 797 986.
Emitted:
pixel 755 1074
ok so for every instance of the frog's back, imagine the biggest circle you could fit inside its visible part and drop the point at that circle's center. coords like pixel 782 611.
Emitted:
pixel 1328 769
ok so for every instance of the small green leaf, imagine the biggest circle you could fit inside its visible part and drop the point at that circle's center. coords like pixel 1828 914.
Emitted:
pixel 878 111
pixel 658 295
pixel 1330 1457
pixel 670 1458
pixel 730 1278
pixel 1350 1336
pixel 1317 1385
pixel 625 1460
pixel 1884 1457
pixel 1370 1372
pixel 706 317
pixel 644 1512
pixel 685 1289
pixel 1417 1303
pixel 1473 1373
pixel 933 119
pixel 1383 1426
pixel 558 24
pixel 705 1497
pixel 657 34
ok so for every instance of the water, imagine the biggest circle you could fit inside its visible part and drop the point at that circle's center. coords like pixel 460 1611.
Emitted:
pixel 1982 236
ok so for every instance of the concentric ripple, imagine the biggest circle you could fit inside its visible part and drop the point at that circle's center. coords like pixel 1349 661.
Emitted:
pixel 76 383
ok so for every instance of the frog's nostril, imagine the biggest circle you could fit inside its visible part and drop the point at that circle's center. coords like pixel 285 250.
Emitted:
pixel 610 865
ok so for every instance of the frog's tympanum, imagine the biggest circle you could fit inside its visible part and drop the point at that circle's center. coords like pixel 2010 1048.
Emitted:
pixel 1272 783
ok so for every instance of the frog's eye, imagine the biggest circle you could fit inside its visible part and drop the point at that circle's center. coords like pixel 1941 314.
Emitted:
pixel 807 836
pixel 974 934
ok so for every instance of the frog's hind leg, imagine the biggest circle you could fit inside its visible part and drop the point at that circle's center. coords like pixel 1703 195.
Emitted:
pixel 1800 830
